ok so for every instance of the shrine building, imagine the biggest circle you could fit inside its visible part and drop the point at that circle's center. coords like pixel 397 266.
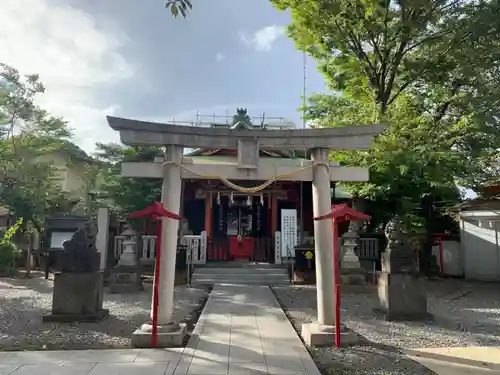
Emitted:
pixel 242 225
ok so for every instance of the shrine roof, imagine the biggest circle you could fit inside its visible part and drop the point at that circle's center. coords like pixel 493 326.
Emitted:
pixel 477 204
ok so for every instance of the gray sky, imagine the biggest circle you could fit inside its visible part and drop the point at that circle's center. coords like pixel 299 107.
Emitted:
pixel 131 58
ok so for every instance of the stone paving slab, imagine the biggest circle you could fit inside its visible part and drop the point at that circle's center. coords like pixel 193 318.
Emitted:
pixel 458 361
pixel 91 362
pixel 243 331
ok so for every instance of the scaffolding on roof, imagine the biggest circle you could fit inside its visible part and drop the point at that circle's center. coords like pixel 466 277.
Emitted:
pixel 262 122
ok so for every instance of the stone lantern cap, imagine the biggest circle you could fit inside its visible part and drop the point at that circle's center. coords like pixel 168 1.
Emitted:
pixel 128 231
pixel 342 212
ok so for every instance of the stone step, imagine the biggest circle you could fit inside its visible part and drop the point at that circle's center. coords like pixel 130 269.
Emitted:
pixel 211 281
pixel 242 279
pixel 239 265
pixel 240 271
pixel 241 276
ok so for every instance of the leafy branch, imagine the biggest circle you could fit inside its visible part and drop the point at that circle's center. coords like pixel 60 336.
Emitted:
pixel 179 7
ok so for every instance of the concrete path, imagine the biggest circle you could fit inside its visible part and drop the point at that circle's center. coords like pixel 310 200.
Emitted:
pixel 458 361
pixel 243 331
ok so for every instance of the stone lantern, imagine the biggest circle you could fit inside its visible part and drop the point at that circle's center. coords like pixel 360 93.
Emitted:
pixel 127 258
pixel 349 258
pixel 124 277
pixel 351 271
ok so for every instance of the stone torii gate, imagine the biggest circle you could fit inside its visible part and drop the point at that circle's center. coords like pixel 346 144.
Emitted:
pixel 248 166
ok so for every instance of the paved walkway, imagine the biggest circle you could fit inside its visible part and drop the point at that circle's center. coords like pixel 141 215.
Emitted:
pixel 242 331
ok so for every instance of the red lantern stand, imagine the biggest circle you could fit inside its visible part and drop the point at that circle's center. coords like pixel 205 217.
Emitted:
pixel 157 212
pixel 339 213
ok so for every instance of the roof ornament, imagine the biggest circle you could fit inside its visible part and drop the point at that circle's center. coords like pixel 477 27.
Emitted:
pixel 242 120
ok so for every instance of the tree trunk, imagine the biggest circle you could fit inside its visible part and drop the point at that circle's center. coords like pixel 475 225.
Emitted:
pixel 28 257
pixel 426 263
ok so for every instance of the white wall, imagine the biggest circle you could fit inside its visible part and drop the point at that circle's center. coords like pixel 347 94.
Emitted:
pixel 453 258
pixel 479 240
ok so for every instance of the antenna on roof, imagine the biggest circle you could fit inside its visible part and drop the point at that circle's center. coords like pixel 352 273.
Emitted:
pixel 263 119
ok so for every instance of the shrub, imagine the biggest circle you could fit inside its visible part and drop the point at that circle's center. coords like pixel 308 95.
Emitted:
pixel 9 252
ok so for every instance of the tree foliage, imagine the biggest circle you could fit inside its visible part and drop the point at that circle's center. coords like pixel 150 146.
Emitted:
pixel 29 184
pixel 428 69
pixel 9 252
pixel 126 195
pixel 179 7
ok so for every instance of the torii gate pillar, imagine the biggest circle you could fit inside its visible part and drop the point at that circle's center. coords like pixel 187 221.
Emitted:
pixel 323 239
pixel 168 333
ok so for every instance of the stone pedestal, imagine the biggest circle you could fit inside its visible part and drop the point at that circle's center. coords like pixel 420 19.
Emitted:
pixel 401 295
pixel 353 276
pixel 124 280
pixel 78 297
pixel 315 334
pixel 170 335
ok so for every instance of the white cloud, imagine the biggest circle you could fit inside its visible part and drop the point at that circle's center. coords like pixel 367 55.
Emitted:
pixel 72 55
pixel 219 57
pixel 263 39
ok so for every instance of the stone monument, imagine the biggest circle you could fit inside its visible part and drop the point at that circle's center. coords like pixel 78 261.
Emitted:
pixel 401 295
pixel 78 288
pixel 124 277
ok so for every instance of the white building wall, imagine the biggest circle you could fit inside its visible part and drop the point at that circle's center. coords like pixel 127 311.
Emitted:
pixel 479 240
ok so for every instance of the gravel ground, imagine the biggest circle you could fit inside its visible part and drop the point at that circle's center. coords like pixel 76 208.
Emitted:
pixel 465 314
pixel 23 302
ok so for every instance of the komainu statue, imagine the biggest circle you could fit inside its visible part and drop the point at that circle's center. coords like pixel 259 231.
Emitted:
pixel 80 253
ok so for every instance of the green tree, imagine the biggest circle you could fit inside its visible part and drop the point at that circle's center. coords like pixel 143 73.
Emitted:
pixel 438 57
pixel 126 195
pixel 427 69
pixel 9 252
pixel 29 184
